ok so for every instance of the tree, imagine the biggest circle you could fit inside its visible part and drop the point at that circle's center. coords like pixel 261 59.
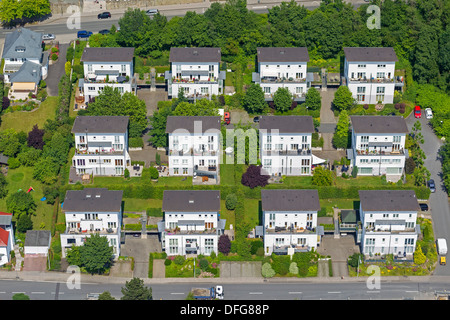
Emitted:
pixel 35 138
pixel 254 101
pixel 9 142
pixel 267 270
pixel 45 170
pixel 231 201
pixel 313 100
pixel 136 290
pixel 158 136
pixel 282 99
pixel 106 296
pixel 340 138
pixel 224 244
pixel 322 177
pixel 154 174
pixel 67 67
pixel 20 202
pixel 419 257
pixel 73 256
pixel 202 107
pixel 24 223
pixel 3 186
pixel 343 98
pixel 57 148
pixel 96 254
pixel 253 178
pixel 421 176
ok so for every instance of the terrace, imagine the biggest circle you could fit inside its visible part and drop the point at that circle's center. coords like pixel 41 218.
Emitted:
pixel 282 80
pixel 289 230
pixel 377 152
pixel 294 152
pixel 80 231
pixel 283 249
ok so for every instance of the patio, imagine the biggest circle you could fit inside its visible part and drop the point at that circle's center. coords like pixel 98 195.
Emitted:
pixel 135 171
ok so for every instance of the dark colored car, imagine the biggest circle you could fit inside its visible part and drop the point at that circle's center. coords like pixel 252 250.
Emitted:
pixel 104 31
pixel 431 185
pixel 104 15
pixel 84 34
pixel 256 119
pixel 423 206
pixel 417 112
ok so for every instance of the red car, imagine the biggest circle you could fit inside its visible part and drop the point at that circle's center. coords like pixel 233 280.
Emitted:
pixel 417 112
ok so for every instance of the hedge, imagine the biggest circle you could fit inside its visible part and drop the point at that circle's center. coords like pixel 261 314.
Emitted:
pixel 133 226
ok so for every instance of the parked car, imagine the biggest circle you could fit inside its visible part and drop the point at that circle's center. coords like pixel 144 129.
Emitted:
pixel 256 119
pixel 151 12
pixel 104 31
pixel 423 206
pixel 48 36
pixel 84 34
pixel 431 185
pixel 417 112
pixel 104 15
pixel 428 113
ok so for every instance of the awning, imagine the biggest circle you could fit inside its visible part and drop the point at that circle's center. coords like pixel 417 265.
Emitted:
pixel 269 74
pixel 191 222
pixel 23 86
pixel 380 144
pixel 107 72
pixel 194 73
pixel 390 222
pixel 317 160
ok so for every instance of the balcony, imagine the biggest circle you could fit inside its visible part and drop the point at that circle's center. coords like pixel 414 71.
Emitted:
pixel 181 152
pixel 282 80
pixel 178 231
pixel 283 249
pixel 397 80
pixel 196 81
pixel 204 153
pixel 297 152
pixel 117 79
pixel 376 152
pixel 291 230
pixel 211 168
pixel 80 231
pixel 98 152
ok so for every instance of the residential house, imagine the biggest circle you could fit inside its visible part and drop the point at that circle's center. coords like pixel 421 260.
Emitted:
pixel 6 237
pixel 37 242
pixel 191 223
pixel 25 63
pixel 194 147
pixel 101 145
pixel 107 67
pixel 290 221
pixel 378 145
pixel 279 67
pixel 389 222
pixel 285 145
pixel 369 73
pixel 92 211
pixel 196 71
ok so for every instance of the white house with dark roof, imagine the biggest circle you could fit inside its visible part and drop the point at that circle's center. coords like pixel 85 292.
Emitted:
pixel 279 67
pixel 107 67
pixel 25 63
pixel 92 211
pixel 191 223
pixel 196 71
pixel 6 237
pixel 101 145
pixel 389 222
pixel 290 221
pixel 378 145
pixel 194 146
pixel 37 242
pixel 285 145
pixel 369 73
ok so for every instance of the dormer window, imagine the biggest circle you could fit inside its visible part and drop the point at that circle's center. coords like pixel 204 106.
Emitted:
pixel 20 49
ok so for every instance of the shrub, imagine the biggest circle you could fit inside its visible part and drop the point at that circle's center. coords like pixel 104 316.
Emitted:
pixel 267 270
pixel 260 252
pixel 179 260
pixel 231 201
pixel 13 163
pixel 293 268
pixel 154 174
pixel 224 244
pixel 366 106
pixel 167 262
pixel 54 50
pixel 54 57
pixel 256 244
pixel 204 264
pixel 126 173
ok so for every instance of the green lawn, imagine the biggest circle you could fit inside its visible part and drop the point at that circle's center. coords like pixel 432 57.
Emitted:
pixel 227 174
pixel 252 212
pixel 228 215
pixel 164 181
pixel 25 120
pixel 136 205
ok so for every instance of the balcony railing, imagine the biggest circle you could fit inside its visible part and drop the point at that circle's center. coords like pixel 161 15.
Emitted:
pixel 125 80
pixel 397 80
pixel 178 231
pixel 282 249
pixel 205 168
pixel 289 230
pixel 205 153
pixel 181 152
pixel 88 231
pixel 297 152
pixel 282 80
pixel 99 151
pixel 195 81
pixel 389 230
pixel 376 152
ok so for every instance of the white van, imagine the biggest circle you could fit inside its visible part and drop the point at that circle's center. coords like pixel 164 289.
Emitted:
pixel 428 113
pixel 151 12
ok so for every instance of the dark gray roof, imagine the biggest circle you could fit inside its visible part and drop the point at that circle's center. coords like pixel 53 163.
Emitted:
pixel 290 200
pixel 23 38
pixel 191 201
pixel 195 54
pixel 5 218
pixel 193 124
pixel 379 124
pixel 100 124
pixel 287 124
pixel 370 54
pixel 388 200
pixel 3 159
pixel 28 72
pixel 37 238
pixel 348 216
pixel 282 54
pixel 93 200
pixel 107 55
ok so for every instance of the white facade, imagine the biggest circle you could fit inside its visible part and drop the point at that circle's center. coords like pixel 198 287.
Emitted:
pixel 285 154
pixel 5 248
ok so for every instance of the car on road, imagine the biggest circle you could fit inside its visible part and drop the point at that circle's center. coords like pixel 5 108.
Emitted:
pixel 84 34
pixel 104 31
pixel 104 15
pixel 423 206
pixel 151 12
pixel 428 113
pixel 417 112
pixel 48 36
pixel 431 185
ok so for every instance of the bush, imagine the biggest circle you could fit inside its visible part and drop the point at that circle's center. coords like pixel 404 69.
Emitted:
pixel 126 173
pixel 260 252
pixel 204 264
pixel 154 174
pixel 231 201
pixel 54 57
pixel 179 260
pixel 13 163
pixel 256 244
pixel 293 268
pixel 136 142
pixel 267 270
pixel 167 262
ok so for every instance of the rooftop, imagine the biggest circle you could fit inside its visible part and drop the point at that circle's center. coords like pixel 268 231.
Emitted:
pixel 290 200
pixel 5 219
pixel 194 124
pixel 282 54
pixel 195 54
pixel 379 124
pixel 388 200
pixel 23 43
pixel 37 238
pixel 4 236
pixel 370 54
pixel 191 201
pixel 100 124
pixel 28 72
pixel 107 54
pixel 287 124
pixel 93 200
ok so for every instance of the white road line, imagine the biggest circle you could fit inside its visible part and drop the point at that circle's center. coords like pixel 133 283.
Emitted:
pixel 176 293
pixel 372 291
pixel 255 293
pixel 2 291
pixel 38 292
pixel 334 292
pixel 295 293
pixel 18 292
pixel 260 7
pixel 412 291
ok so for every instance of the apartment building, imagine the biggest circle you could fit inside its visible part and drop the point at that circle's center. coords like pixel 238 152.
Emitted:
pixel 107 67
pixel 194 147
pixel 92 211
pixel 389 222
pixel 196 71
pixel 279 67
pixel 285 145
pixel 290 221
pixel 191 223
pixel 101 145
pixel 369 73
pixel 378 145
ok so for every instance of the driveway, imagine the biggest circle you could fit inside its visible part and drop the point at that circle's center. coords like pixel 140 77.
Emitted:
pixel 56 71
pixel 438 202
pixel 339 250
pixel 151 98
pixel 140 249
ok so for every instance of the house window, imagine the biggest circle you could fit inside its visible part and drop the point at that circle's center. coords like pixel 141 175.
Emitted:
pixel 173 246
pixel 89 67
pixel 380 75
pixel 123 68
pixel 118 162
pixel 268 147
pixel 209 246
pixel 299 90
pixel 381 66
pixel 299 75
pixel 204 90
pixel 361 65
pixel 269 139
pixel 364 139
pixel 266 89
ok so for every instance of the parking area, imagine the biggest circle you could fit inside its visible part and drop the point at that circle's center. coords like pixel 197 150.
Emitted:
pixel 139 249
pixel 339 250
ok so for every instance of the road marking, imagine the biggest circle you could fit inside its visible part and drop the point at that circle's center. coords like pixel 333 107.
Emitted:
pixel 412 291
pixel 295 293
pixel 176 293
pixel 14 292
pixel 334 292
pixel 260 7
pixel 38 292
pixel 372 291
pixel 255 293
